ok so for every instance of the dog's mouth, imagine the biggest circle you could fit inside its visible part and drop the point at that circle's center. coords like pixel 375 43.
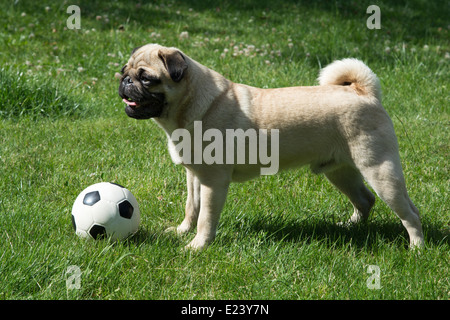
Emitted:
pixel 151 107
pixel 130 102
pixel 139 102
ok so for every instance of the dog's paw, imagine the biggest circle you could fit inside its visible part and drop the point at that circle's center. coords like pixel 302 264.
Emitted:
pixel 183 228
pixel 197 244
pixel 355 220
pixel 345 224
pixel 417 244
pixel 171 230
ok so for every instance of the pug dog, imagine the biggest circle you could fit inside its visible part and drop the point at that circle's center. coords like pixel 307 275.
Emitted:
pixel 338 128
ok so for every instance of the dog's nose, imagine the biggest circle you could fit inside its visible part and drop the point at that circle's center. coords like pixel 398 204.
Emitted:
pixel 127 80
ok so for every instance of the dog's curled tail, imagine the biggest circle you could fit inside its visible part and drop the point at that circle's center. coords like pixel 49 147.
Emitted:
pixel 351 72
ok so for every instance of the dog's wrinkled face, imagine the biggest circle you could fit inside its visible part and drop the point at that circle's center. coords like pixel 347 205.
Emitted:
pixel 146 77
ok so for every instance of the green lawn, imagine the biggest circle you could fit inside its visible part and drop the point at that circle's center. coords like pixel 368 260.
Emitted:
pixel 63 128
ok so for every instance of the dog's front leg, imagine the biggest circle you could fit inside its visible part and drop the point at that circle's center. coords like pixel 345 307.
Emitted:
pixel 192 208
pixel 192 203
pixel 213 193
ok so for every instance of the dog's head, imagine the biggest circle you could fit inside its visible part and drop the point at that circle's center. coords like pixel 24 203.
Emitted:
pixel 151 76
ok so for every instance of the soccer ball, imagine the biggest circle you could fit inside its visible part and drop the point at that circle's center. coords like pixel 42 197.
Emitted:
pixel 105 210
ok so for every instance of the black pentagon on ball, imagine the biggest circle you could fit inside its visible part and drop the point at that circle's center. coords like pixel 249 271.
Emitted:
pixel 97 232
pixel 126 209
pixel 91 198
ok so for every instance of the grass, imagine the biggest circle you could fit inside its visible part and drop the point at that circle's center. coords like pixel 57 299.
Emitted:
pixel 63 128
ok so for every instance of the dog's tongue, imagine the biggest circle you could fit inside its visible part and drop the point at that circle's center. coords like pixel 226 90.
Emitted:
pixel 130 103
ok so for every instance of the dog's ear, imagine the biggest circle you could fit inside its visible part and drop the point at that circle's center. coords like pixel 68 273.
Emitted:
pixel 174 62
pixel 136 49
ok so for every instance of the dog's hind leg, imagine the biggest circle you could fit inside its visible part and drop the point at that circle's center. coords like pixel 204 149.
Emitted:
pixel 386 178
pixel 349 181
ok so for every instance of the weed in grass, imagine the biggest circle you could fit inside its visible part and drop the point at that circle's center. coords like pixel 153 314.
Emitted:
pixel 34 98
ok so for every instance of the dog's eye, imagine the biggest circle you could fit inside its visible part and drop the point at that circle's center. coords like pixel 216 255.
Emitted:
pixel 146 81
pixel 149 80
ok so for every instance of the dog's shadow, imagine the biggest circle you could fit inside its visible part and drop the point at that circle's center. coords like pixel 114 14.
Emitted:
pixel 363 235
pixel 145 236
